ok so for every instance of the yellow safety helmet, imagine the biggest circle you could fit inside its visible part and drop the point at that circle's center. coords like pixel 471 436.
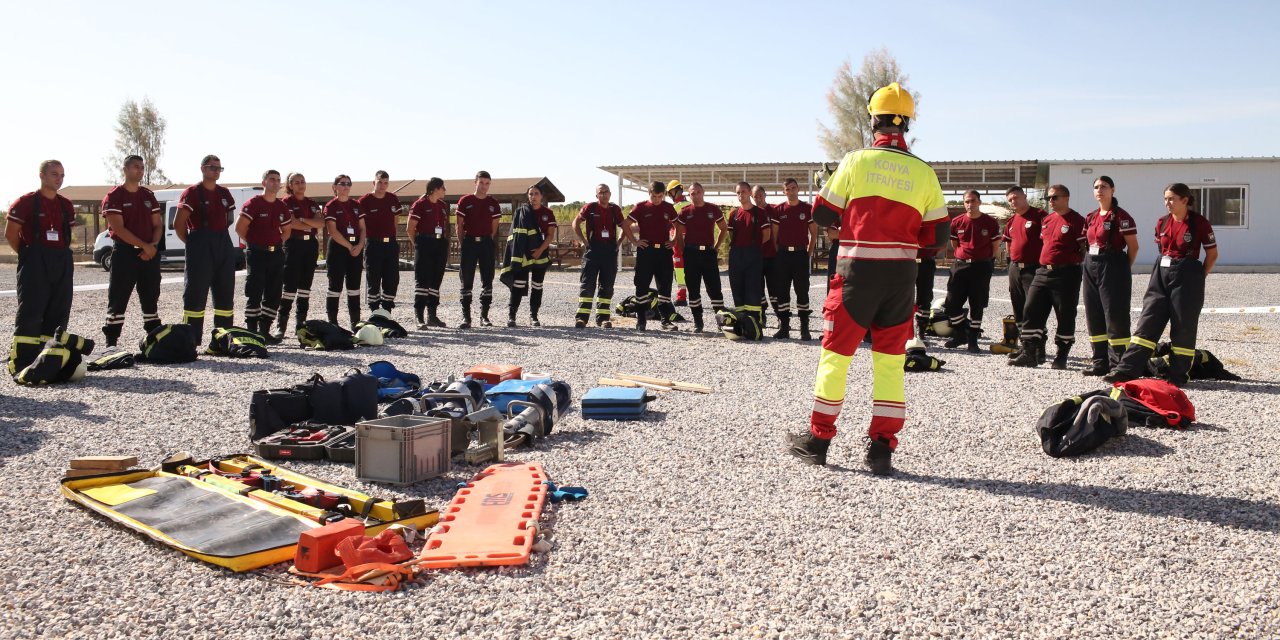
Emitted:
pixel 892 100
pixel 673 184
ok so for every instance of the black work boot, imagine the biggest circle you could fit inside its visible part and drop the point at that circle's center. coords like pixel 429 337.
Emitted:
pixel 433 319
pixel 784 327
pixel 1030 354
pixel 1100 364
pixel 642 319
pixel 804 328
pixel 466 318
pixel 417 315
pixel 1060 358
pixel 112 334
pixel 959 336
pixel 922 323
pixel 809 448
pixel 697 321
pixel 484 316
pixel 879 458
pixel 973 340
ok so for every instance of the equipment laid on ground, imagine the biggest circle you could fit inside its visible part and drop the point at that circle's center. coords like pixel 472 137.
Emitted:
pixel 491 521
pixel 233 511
pixel 615 403
pixel 501 394
pixel 113 360
pixel 1082 423
pixel 402 449
pixel 662 382
pixel 539 411
pixel 493 373
pixel 1009 343
pixel 301 441
pixel 917 359
pixel 169 344
pixel 618 382
pixel 1157 403
pixel 393 383
pixel 97 465
pixel 316 547
pixel 1204 365
pixel 235 342
pixel 325 336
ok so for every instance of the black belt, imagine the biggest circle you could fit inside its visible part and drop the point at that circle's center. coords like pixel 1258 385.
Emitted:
pixel 658 245
pixel 699 247
pixel 804 247
pixel 264 247
pixel 970 261
pixel 431 236
pixel 302 238
pixel 382 239
pixel 1024 265
pixel 1052 267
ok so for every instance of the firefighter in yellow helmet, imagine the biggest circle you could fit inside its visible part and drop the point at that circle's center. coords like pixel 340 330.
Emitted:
pixel 889 205
pixel 676 191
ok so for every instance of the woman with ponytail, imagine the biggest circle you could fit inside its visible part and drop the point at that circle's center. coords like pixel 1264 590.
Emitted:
pixel 1108 278
pixel 1175 293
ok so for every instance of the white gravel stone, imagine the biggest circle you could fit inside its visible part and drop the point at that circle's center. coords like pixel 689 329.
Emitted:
pixel 697 524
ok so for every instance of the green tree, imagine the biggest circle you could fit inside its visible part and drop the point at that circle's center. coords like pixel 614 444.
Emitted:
pixel 139 131
pixel 847 102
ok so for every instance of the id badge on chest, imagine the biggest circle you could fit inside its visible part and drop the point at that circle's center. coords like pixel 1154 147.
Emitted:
pixel 1166 261
pixel 51 235
pixel 351 231
pixel 439 231
pixel 1094 249
pixel 604 233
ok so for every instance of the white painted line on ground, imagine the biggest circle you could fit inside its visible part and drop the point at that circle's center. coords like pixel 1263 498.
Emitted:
pixel 102 286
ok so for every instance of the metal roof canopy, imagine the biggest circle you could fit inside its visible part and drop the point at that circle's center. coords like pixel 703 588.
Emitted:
pixel 991 176
pixel 506 190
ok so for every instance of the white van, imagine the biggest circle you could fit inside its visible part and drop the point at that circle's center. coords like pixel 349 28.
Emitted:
pixel 173 248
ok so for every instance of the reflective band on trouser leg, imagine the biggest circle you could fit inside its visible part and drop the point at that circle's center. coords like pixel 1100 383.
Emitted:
pixel 604 308
pixel 839 342
pixel 1101 338
pixel 584 306
pixel 1118 342
pixel 1143 342
pixel 828 393
pixel 888 387
pixel 223 318
pixel 1184 351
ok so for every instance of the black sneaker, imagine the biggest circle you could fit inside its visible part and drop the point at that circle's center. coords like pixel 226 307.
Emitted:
pixel 1095 369
pixel 879 458
pixel 809 449
pixel 435 321
pixel 465 324
pixel 579 324
pixel 535 322
pixel 485 321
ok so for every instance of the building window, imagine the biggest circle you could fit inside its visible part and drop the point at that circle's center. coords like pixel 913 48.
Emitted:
pixel 1224 206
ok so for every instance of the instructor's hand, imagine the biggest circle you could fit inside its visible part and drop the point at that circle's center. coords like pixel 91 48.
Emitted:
pixel 148 251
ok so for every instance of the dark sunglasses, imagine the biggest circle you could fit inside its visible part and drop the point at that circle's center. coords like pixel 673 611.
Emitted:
pixel 214 167
pixel 342 184
pixel 1054 197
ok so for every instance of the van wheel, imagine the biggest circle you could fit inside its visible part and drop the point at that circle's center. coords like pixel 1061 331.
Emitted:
pixel 106 260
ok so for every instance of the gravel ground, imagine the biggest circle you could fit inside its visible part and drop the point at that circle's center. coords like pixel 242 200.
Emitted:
pixel 697 524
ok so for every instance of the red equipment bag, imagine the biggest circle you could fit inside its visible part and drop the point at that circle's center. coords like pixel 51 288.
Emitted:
pixel 386 547
pixel 1161 397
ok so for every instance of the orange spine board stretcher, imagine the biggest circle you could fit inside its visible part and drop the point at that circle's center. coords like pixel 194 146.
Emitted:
pixel 492 521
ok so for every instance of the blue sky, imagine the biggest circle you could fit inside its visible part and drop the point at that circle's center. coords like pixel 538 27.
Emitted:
pixel 559 88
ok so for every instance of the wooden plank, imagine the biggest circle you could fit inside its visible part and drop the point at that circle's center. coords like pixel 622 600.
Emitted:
pixel 104 463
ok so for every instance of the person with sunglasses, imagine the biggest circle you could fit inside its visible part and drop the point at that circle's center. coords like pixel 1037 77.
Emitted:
pixel 1057 283
pixel 382 257
pixel 1108 277
pixel 1175 293
pixel 1022 233
pixel 478 216
pixel 344 224
pixel 974 237
pixel 525 259
pixel 301 250
pixel 202 224
pixel 264 224
pixel 428 233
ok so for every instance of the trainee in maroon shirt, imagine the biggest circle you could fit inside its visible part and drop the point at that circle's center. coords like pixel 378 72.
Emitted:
pixel 1106 232
pixel 793 224
pixel 50 233
pixel 699 224
pixel 1023 235
pixel 546 219
pixel 136 208
pixel 654 221
pixel 209 209
pixel 432 217
pixel 975 237
pixel 602 222
pixel 1184 239
pixel 380 214
pixel 747 226
pixel 266 219
pixel 1063 236
pixel 302 209
pixel 478 215
pixel 346 216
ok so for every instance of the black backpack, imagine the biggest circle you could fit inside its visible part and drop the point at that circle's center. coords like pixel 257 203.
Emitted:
pixel 389 328
pixel 168 344
pixel 349 400
pixel 325 336
pixel 1082 423
pixel 56 363
pixel 235 342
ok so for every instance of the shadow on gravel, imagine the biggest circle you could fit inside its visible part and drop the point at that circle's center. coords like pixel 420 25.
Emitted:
pixel 1253 515
pixel 1132 446
pixel 137 384
pixel 319 358
pixel 18 438
pixel 1249 386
